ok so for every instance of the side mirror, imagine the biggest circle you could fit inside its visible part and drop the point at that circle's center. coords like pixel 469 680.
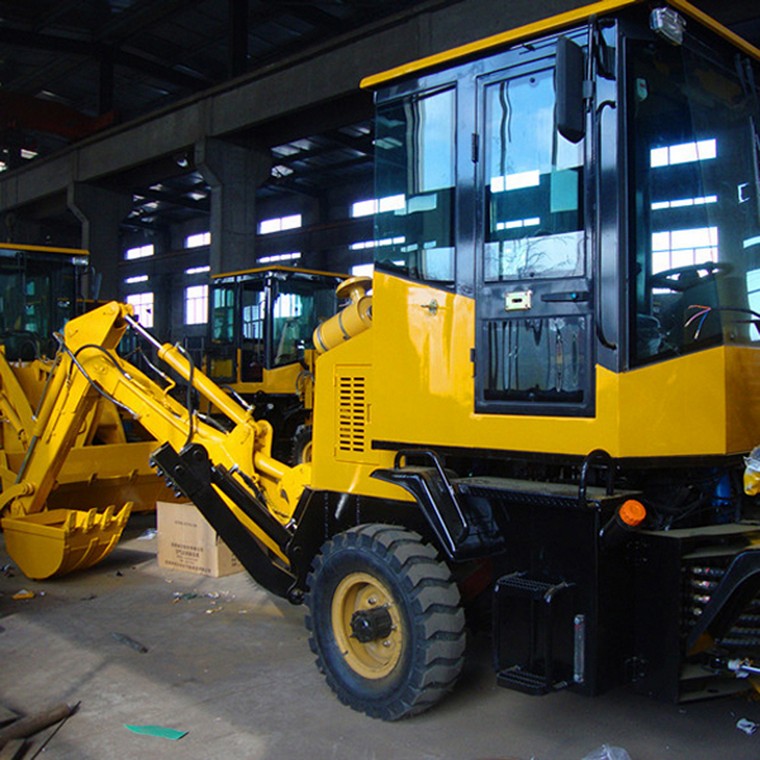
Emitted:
pixel 569 75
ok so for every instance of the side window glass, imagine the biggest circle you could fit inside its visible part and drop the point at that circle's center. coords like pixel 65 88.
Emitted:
pixel 222 314
pixel 534 224
pixel 415 178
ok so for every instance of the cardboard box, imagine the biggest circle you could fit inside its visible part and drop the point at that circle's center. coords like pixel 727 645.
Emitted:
pixel 187 542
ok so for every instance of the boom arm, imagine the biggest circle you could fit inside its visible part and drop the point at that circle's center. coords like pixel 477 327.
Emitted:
pixel 236 478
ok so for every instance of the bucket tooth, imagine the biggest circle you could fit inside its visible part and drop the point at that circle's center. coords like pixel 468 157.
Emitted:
pixel 58 541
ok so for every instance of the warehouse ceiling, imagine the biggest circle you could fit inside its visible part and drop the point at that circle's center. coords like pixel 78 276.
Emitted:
pixel 70 68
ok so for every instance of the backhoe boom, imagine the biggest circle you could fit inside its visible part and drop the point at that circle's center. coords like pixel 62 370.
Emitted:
pixel 229 473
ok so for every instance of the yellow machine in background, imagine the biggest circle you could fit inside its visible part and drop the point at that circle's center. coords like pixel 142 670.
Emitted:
pixel 260 344
pixel 39 292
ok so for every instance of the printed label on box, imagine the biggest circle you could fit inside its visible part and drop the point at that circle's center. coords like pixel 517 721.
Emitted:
pixel 187 542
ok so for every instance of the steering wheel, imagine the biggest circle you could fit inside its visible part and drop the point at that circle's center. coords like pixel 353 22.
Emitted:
pixel 683 278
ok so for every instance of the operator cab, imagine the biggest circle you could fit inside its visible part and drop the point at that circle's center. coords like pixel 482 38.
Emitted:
pixel 595 190
pixel 39 288
pixel 263 319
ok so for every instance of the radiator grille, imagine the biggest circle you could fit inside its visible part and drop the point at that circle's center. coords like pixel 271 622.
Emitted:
pixel 701 581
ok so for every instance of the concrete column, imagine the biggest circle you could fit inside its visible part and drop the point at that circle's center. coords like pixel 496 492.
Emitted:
pixel 100 212
pixel 234 174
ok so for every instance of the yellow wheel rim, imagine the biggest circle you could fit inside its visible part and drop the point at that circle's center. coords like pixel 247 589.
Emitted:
pixel 362 591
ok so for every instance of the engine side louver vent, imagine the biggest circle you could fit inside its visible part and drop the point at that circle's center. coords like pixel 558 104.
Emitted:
pixel 352 413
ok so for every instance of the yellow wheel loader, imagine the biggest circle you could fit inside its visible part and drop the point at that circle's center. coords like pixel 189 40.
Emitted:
pixel 260 345
pixel 546 401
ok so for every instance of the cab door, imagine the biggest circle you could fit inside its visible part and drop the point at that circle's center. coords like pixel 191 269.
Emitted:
pixel 533 343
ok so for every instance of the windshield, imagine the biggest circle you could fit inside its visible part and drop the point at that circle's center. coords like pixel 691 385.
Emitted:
pixel 693 145
pixel 298 306
pixel 269 318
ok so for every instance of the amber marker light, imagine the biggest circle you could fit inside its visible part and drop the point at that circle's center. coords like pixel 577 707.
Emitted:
pixel 632 513
pixel 627 518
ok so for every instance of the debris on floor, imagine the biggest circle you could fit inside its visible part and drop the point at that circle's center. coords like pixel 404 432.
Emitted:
pixel 607 752
pixel 178 596
pixel 23 594
pixel 122 638
pixel 159 731
pixel 23 728
pixel 748 726
pixel 215 597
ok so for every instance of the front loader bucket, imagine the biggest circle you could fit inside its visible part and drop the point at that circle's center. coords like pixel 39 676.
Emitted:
pixel 59 541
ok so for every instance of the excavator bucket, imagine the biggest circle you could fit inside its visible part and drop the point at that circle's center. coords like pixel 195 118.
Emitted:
pixel 59 541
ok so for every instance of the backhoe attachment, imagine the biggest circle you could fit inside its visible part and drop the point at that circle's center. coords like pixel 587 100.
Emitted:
pixel 256 494
pixel 49 542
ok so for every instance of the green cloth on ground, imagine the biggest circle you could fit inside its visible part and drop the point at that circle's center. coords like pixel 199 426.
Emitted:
pixel 160 731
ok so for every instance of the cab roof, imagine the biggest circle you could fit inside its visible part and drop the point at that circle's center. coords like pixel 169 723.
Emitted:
pixel 545 26
pixel 275 268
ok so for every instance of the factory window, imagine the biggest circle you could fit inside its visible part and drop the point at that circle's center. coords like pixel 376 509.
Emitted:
pixel 378 205
pixel 137 279
pixel 684 202
pixel 753 297
pixel 683 153
pixel 196 305
pixel 279 257
pixel 280 224
pixel 139 252
pixel 681 248
pixel 366 244
pixel 143 303
pixel 198 270
pixel 197 240
pixel 362 270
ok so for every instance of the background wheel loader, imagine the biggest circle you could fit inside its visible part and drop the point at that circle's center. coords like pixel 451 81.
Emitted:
pixel 545 402
pixel 260 344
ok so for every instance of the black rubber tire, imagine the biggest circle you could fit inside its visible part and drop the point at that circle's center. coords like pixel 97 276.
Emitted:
pixel 426 604
pixel 300 450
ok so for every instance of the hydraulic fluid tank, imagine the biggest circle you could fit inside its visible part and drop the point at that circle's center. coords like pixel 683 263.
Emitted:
pixel 349 321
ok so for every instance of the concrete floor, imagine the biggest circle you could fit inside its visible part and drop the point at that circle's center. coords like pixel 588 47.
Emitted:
pixel 234 670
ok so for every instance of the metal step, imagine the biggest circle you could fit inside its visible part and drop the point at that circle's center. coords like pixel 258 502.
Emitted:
pixel 521 680
pixel 519 585
pixel 527 614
